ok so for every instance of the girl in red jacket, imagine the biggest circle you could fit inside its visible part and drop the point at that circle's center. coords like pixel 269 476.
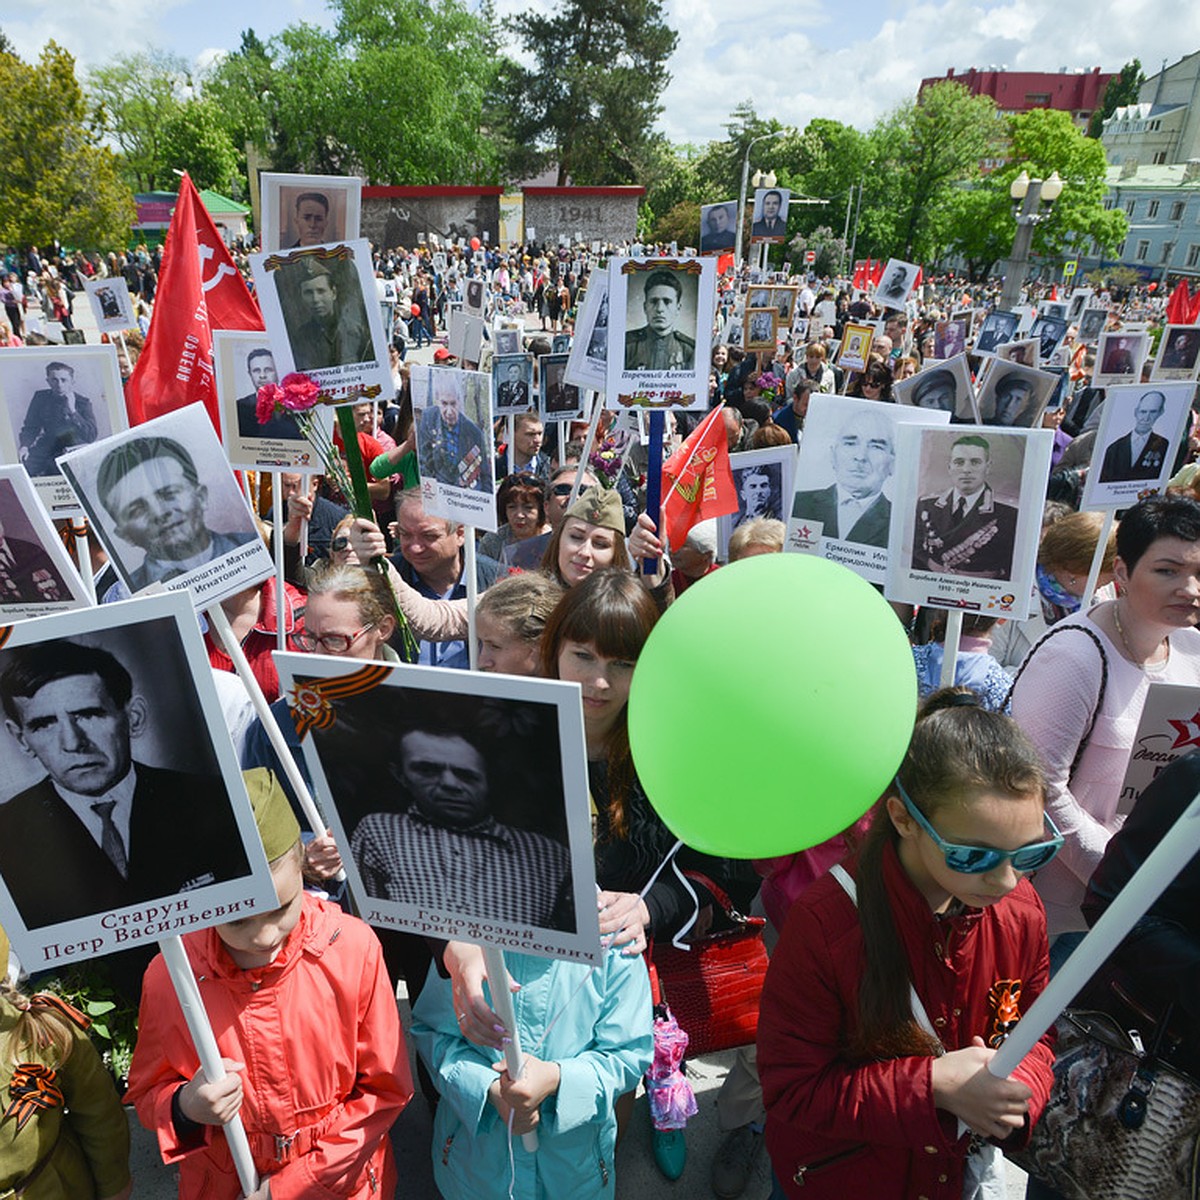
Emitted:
pixel 896 979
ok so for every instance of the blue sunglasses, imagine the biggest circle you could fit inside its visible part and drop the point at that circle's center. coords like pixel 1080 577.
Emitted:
pixel 975 860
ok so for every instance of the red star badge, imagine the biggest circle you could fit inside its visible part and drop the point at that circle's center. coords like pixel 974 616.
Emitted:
pixel 1187 733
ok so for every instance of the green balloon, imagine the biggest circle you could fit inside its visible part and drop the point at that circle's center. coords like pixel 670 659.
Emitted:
pixel 771 705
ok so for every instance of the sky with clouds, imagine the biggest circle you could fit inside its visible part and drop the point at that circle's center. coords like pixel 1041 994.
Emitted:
pixel 794 59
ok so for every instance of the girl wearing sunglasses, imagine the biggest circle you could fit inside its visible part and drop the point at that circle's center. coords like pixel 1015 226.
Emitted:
pixel 900 973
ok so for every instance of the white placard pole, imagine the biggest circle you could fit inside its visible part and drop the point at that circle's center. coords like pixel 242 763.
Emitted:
pixel 588 443
pixel 83 556
pixel 186 988
pixel 1097 560
pixel 1148 882
pixel 497 973
pixel 472 595
pixel 219 623
pixel 277 544
pixel 950 646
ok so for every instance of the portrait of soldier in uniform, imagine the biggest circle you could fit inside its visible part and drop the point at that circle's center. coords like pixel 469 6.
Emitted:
pixel 659 345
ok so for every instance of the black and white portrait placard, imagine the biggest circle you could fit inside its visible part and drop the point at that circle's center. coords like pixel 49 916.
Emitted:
pixel 855 346
pixel 997 328
pixel 123 813
pixel 512 383
pixel 941 387
pixel 112 305
pixel 966 517
pixel 1092 323
pixel 474 296
pixel 1025 352
pixel 1178 354
pixel 244 362
pixel 1049 331
pixel 660 317
pixel 37 576
pixel 1141 425
pixel 163 500
pixel 53 398
pixel 769 219
pixel 1077 303
pixel 842 504
pixel 309 210
pixel 896 283
pixel 764 481
pixel 314 305
pixel 1119 357
pixel 506 338
pixel 587 363
pixel 718 227
pixel 452 411
pixel 1013 395
pixel 464 802
pixel 558 400
pixel 761 325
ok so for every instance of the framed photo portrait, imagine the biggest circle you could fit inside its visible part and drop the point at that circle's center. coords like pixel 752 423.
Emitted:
pixel 587 362
pixel 507 860
pixel 452 412
pixel 966 517
pixel 1119 358
pixel 997 328
pixel 558 399
pixel 163 501
pixel 37 576
pixel 784 300
pixel 718 227
pixel 761 325
pixel 474 296
pixel 244 362
pixel 1024 352
pixel 941 387
pixel 950 337
pixel 896 282
pixel 98 850
pixel 112 305
pixel 506 340
pixel 1092 323
pixel 842 505
pixel 764 481
pixel 53 399
pixel 1049 332
pixel 1138 437
pixel 769 220
pixel 512 383
pixel 664 309
pixel 1077 303
pixel 1054 309
pixel 314 305
pixel 309 210
pixel 1178 353
pixel 855 346
pixel 1015 396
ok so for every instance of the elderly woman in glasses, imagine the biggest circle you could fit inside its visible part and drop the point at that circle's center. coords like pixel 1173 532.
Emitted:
pixel 1079 693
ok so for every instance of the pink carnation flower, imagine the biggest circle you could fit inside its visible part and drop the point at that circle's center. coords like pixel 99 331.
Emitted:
pixel 300 393
pixel 269 395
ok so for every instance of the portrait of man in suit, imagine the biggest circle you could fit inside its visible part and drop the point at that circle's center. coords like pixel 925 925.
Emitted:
pixel 260 364
pixel 719 222
pixel 770 222
pixel 1140 453
pixel 152 492
pixel 853 508
pixel 311 219
pixel 965 530
pixel 57 418
pixel 758 492
pixel 100 830
pixel 513 391
pixel 27 573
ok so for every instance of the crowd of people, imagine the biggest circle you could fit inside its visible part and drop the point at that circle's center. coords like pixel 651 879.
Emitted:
pixel 902 951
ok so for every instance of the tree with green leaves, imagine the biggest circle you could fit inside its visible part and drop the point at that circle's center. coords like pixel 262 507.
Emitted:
pixel 590 101
pixel 828 246
pixel 1122 89
pixel 55 182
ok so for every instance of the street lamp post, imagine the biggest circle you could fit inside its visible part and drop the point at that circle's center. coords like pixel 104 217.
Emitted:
pixel 741 217
pixel 1031 194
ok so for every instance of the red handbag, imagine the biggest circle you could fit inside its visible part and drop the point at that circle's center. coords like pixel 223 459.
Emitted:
pixel 714 987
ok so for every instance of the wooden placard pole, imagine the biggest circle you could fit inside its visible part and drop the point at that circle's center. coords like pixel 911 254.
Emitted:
pixel 188 991
pixel 497 973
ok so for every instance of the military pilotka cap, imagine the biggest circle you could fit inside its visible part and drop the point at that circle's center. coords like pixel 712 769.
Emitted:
pixel 599 506
pixel 277 824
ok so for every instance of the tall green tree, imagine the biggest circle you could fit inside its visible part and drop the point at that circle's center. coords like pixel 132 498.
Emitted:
pixel 590 101
pixel 1122 89
pixel 54 180
pixel 136 96
pixel 195 139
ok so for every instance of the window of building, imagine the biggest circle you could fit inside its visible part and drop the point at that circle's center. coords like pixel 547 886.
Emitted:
pixel 1152 209
pixel 1130 205
pixel 1160 158
pixel 1143 249
pixel 1177 208
pixel 1193 254
pixel 1037 99
pixel 1167 250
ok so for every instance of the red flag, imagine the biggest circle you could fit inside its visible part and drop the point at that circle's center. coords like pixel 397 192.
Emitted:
pixel 199 290
pixel 1179 304
pixel 724 263
pixel 1193 314
pixel 920 277
pixel 861 267
pixel 876 271
pixel 696 480
pixel 1054 291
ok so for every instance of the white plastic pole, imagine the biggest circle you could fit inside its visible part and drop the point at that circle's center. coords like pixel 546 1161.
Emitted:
pixel 277 543
pixel 1098 559
pixel 589 442
pixel 497 973
pixel 1149 881
pixel 186 988
pixel 83 556
pixel 950 646
pixel 472 595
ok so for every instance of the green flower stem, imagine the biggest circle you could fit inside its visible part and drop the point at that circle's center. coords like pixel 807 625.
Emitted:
pixel 358 474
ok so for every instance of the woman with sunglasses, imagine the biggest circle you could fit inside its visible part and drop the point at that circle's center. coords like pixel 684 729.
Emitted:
pixel 1080 692
pixel 898 975
pixel 875 383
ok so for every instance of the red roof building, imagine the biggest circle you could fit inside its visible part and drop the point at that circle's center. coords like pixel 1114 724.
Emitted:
pixel 1076 91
